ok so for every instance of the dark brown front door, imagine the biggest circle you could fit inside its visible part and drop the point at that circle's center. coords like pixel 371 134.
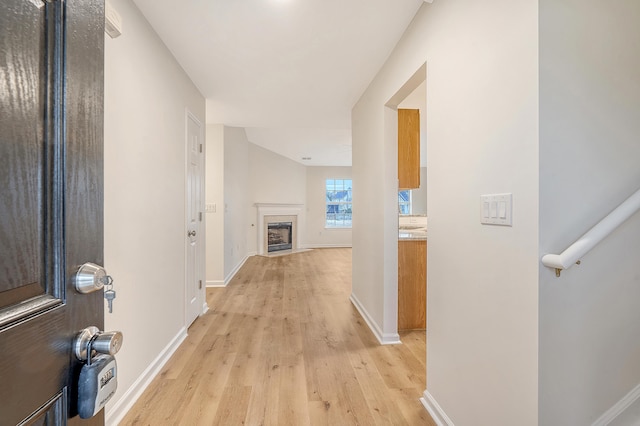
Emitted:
pixel 51 201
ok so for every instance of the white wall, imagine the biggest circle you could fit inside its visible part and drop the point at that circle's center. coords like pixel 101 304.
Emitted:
pixel 316 234
pixel 236 201
pixel 146 93
pixel 589 151
pixel 419 196
pixel 215 194
pixel 274 178
pixel 482 133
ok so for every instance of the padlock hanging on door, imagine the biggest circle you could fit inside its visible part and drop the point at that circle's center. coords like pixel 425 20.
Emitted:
pixel 98 379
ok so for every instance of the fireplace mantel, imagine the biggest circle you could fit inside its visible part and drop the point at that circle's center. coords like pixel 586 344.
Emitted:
pixel 278 209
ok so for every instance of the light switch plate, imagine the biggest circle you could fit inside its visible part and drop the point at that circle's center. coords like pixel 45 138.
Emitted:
pixel 210 208
pixel 496 209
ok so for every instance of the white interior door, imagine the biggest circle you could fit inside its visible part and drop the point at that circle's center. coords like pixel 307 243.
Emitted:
pixel 194 290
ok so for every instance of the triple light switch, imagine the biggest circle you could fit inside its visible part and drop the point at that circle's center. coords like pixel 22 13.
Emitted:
pixel 496 209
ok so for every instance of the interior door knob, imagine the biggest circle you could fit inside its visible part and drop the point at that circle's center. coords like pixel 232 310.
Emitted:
pixel 191 233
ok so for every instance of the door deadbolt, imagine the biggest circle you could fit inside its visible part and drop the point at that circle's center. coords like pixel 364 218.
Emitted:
pixel 90 277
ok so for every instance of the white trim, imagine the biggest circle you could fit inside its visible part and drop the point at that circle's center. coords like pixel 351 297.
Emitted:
pixel 285 252
pixel 116 410
pixel 383 338
pixel 437 413
pixel 235 271
pixel 619 407
pixel 215 283
pixel 312 246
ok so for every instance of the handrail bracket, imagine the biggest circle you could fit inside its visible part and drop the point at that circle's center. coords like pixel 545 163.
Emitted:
pixel 596 234
pixel 559 270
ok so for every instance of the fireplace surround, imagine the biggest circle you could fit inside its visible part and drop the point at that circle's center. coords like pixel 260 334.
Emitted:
pixel 270 213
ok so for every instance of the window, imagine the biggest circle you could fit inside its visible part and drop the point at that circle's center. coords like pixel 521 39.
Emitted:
pixel 338 202
pixel 404 202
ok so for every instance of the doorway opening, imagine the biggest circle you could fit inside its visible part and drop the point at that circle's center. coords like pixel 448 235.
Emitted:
pixel 405 122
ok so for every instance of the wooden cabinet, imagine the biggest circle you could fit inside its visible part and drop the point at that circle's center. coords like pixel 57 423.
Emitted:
pixel 412 284
pixel 408 148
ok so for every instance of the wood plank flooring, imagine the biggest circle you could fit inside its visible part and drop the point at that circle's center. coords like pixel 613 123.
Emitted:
pixel 283 345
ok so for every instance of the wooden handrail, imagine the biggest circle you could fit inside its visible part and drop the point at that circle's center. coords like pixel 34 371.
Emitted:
pixel 600 231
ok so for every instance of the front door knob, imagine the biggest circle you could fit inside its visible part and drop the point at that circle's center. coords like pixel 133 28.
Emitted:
pixel 108 342
pixel 92 339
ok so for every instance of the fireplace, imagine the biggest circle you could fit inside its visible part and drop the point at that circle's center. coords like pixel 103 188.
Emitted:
pixel 269 214
pixel 279 236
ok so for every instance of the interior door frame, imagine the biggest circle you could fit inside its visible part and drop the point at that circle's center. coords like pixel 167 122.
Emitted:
pixel 200 252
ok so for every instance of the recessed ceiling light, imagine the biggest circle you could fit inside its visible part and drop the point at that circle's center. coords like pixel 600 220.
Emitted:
pixel 306 158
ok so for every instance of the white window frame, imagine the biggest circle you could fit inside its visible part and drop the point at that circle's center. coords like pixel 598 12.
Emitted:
pixel 408 203
pixel 345 224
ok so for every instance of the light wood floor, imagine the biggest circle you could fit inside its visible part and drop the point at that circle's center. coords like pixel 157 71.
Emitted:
pixel 282 345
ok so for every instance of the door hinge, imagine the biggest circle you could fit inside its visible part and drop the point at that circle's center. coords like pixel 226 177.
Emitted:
pixel 200 216
pixel 200 148
pixel 200 284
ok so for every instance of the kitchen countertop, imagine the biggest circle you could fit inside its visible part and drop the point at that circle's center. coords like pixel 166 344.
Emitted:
pixel 407 233
pixel 412 227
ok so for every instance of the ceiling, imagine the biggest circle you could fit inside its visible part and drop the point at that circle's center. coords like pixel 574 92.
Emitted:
pixel 289 71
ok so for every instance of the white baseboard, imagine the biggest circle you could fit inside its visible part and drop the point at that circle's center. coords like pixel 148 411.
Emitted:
pixel 437 413
pixel 619 407
pixel 116 410
pixel 215 283
pixel 312 246
pixel 235 271
pixel 383 338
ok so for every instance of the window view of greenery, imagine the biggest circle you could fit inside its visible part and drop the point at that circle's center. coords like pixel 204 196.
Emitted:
pixel 404 202
pixel 338 201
